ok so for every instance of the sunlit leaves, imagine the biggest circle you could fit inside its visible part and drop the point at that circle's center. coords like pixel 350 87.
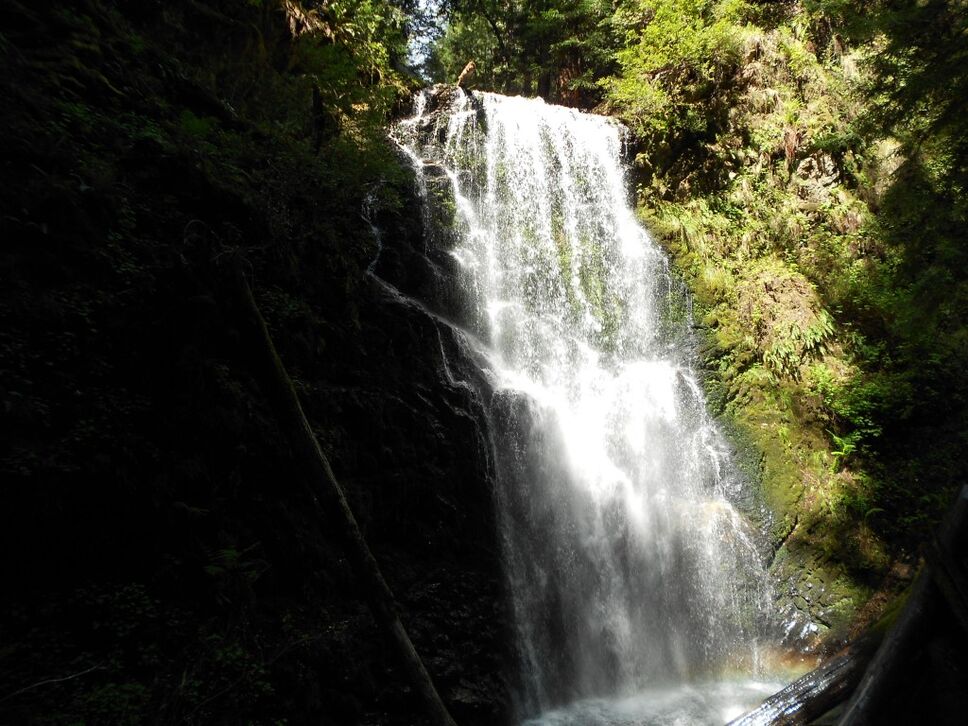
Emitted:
pixel 672 50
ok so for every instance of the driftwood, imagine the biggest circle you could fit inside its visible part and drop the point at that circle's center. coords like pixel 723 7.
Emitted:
pixel 326 490
pixel 894 652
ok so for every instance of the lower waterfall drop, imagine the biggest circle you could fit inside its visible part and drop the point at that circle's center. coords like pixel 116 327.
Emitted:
pixel 634 580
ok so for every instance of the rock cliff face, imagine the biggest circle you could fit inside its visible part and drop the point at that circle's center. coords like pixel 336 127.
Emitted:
pixel 158 551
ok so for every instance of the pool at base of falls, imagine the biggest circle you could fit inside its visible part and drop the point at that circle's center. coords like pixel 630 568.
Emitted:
pixel 693 704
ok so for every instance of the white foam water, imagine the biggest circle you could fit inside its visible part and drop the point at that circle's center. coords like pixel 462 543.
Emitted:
pixel 632 575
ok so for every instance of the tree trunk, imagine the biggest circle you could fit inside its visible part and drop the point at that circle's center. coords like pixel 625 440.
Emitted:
pixel 328 497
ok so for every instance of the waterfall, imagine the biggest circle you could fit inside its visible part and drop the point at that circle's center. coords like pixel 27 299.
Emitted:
pixel 627 564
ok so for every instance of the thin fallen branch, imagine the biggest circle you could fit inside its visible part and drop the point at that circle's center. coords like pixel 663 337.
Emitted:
pixel 48 681
pixel 322 485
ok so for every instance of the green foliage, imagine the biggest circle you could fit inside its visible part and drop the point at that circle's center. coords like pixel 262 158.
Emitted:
pixel 675 56
pixel 557 49
pixel 196 126
pixel 372 31
pixel 844 446
pixel 467 38
pixel 805 166
pixel 918 87
pixel 793 345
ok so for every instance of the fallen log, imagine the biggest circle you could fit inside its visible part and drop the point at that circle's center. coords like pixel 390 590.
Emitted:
pixel 323 488
pixel 817 692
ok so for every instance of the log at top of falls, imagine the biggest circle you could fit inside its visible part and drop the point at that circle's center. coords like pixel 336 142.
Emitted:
pixel 466 74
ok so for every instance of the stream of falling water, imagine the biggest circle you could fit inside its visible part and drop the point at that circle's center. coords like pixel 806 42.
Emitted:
pixel 638 592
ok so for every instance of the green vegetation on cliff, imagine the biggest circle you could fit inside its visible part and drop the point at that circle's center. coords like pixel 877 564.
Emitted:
pixel 813 202
pixel 804 163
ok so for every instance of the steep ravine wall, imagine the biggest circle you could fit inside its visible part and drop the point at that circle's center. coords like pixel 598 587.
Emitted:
pixel 781 443
pixel 769 217
pixel 159 560
pixel 827 562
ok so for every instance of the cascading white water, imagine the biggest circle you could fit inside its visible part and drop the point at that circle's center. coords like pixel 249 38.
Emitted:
pixel 628 566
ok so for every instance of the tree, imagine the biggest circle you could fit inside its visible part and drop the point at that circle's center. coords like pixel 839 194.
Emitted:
pixel 550 48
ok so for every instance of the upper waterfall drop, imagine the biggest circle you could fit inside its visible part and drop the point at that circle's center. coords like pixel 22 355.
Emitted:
pixel 627 563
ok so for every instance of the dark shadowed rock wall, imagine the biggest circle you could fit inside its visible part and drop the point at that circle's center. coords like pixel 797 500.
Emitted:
pixel 160 562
